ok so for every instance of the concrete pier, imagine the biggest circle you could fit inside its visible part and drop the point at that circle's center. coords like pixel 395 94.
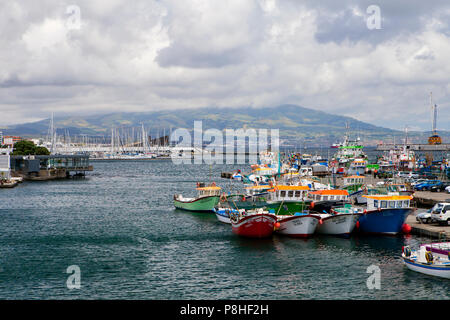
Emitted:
pixel 432 230
pixel 427 199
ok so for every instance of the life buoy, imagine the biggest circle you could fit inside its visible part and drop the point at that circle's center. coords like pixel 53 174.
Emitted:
pixel 223 197
pixel 407 251
pixel 429 256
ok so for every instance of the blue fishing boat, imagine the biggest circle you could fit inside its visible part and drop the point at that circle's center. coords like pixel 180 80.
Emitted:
pixel 385 214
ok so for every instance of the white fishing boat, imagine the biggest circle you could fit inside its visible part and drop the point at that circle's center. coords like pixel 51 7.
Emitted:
pixel 431 259
pixel 299 225
pixel 340 223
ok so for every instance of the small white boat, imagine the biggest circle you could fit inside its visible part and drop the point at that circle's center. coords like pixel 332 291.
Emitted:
pixel 300 225
pixel 223 214
pixel 432 259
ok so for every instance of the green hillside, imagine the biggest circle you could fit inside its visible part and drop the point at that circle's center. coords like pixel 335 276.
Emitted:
pixel 297 125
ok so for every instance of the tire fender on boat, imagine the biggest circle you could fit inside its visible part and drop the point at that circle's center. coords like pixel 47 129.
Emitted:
pixel 429 256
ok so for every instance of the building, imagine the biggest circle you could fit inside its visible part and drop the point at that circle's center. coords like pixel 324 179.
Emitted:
pixel 1 138
pixel 10 140
pixel 39 167
pixel 5 169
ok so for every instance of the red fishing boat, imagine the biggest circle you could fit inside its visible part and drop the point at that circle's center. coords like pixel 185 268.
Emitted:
pixel 256 224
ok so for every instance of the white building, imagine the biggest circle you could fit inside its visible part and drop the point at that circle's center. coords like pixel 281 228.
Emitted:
pixel 5 168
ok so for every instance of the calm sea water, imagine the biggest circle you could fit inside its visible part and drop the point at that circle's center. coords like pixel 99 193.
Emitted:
pixel 120 227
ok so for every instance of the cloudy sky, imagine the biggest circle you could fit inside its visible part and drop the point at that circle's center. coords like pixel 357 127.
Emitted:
pixel 87 57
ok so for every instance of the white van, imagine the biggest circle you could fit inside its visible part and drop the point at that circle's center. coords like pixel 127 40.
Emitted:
pixel 441 213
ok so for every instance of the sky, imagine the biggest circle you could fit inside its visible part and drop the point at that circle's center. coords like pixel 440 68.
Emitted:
pixel 376 61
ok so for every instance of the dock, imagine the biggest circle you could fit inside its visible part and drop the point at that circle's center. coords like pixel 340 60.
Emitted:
pixel 432 230
pixel 427 199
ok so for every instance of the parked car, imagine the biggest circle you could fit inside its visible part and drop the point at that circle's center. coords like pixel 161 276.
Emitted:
pixel 413 175
pixel 403 174
pixel 417 181
pixel 424 216
pixel 439 187
pixel 441 213
pixel 447 189
pixel 426 185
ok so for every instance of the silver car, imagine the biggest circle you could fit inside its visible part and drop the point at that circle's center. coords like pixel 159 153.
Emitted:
pixel 424 216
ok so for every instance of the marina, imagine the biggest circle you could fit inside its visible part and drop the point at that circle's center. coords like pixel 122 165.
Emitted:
pixel 176 254
pixel 213 158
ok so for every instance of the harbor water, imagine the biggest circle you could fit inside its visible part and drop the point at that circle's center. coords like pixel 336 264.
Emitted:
pixel 119 226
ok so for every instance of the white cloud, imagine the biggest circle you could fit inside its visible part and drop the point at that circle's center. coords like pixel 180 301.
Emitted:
pixel 149 55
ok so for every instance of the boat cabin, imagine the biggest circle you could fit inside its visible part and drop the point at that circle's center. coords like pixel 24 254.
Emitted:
pixel 352 180
pixel 209 191
pixel 288 193
pixel 397 187
pixel 256 190
pixel 375 202
pixel 328 195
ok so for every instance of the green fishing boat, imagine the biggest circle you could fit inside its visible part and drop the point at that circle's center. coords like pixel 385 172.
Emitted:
pixel 287 200
pixel 207 199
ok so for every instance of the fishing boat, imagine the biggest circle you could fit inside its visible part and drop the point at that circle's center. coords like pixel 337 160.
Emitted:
pixel 353 183
pixel 338 223
pixel 298 225
pixel 286 200
pixel 431 259
pixel 8 183
pixel 357 167
pixel 223 214
pixel 383 214
pixel 325 200
pixel 208 197
pixel 255 197
pixel 256 223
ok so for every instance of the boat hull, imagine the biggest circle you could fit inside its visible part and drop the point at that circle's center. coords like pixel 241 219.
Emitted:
pixel 442 271
pixel 339 225
pixel 223 215
pixel 255 226
pixel 206 204
pixel 297 226
pixel 384 221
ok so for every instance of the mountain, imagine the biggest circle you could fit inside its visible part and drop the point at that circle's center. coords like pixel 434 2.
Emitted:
pixel 297 125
